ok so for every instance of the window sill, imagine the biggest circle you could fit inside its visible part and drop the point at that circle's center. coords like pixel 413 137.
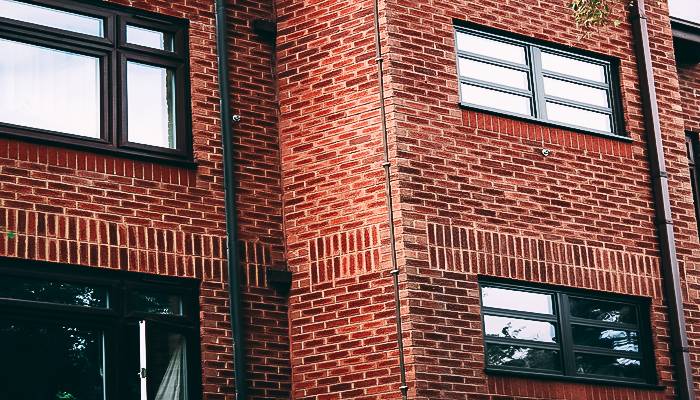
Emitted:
pixel 572 379
pixel 525 118
pixel 95 146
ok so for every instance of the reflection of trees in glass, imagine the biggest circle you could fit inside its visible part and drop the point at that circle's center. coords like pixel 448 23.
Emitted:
pixel 603 311
pixel 526 329
pixel 156 303
pixel 519 356
pixel 54 292
pixel 612 339
pixel 608 365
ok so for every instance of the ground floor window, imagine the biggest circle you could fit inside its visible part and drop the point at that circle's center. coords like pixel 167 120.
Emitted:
pixel 576 334
pixel 69 333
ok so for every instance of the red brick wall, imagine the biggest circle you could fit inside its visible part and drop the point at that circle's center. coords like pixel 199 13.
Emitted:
pixel 111 212
pixel 467 175
pixel 341 305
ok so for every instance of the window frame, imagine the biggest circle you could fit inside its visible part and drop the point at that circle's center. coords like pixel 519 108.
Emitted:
pixel 536 74
pixel 113 51
pixel 112 320
pixel 564 323
pixel 692 144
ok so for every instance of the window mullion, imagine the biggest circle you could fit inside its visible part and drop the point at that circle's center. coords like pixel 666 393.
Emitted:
pixel 566 336
pixel 537 82
pixel 143 371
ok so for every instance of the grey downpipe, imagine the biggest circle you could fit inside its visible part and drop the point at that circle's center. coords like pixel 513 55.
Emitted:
pixel 232 258
pixel 389 201
pixel 664 223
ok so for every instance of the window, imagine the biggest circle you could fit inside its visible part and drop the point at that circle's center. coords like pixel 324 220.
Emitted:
pixel 97 335
pixel 95 76
pixel 537 82
pixel 692 145
pixel 568 334
pixel 686 10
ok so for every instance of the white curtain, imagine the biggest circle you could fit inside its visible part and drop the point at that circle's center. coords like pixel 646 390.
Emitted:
pixel 172 387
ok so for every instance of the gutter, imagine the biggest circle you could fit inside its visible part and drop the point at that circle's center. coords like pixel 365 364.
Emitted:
pixel 389 201
pixel 664 224
pixel 232 257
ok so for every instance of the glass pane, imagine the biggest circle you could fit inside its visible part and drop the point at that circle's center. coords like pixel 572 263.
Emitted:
pixel 166 361
pixel 51 17
pixel 575 92
pixel 130 384
pixel 151 100
pixel 573 67
pixel 688 10
pixel 45 361
pixel 490 48
pixel 517 300
pixel 149 38
pixel 496 99
pixel 603 310
pixel 522 357
pixel 514 328
pixel 608 365
pixel 579 117
pixel 53 292
pixel 492 73
pixel 49 89
pixel 155 303
pixel 611 339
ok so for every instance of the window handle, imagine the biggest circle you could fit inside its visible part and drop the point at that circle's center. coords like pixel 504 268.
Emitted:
pixel 142 373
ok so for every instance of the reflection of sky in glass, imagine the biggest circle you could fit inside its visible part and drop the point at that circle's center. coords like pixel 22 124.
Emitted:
pixel 149 38
pixel 490 48
pixel 517 300
pixel 514 328
pixel 151 105
pixel 573 67
pixel 49 89
pixel 688 10
pixel 51 18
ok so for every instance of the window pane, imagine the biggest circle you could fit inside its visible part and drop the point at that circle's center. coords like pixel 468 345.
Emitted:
pixel 611 339
pixel 166 364
pixel 603 310
pixel 490 48
pixel 52 18
pixel 514 328
pixel 151 105
pixel 685 9
pixel 149 38
pixel 493 73
pixel 49 89
pixel 573 67
pixel 155 303
pixel 579 117
pixel 53 292
pixel 517 300
pixel 496 99
pixel 45 361
pixel 608 365
pixel 522 357
pixel 575 92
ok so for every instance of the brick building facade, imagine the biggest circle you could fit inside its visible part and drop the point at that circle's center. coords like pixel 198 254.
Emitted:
pixel 482 199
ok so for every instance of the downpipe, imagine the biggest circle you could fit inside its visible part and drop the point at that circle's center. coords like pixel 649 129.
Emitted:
pixel 664 223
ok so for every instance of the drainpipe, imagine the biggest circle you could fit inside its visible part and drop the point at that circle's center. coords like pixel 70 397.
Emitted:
pixel 664 223
pixel 232 257
pixel 389 201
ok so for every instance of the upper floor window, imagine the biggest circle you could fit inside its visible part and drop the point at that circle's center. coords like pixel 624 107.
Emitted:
pixel 566 333
pixel 687 10
pixel 101 77
pixel 692 145
pixel 537 82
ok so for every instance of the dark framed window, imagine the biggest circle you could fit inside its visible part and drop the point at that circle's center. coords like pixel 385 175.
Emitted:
pixel 692 145
pixel 96 76
pixel 96 334
pixel 570 334
pixel 521 78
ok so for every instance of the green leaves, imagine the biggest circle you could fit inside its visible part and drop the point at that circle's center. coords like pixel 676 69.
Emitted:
pixel 10 234
pixel 593 14
pixel 64 396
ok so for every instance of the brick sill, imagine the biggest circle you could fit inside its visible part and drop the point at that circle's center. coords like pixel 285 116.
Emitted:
pixel 572 379
pixel 499 113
